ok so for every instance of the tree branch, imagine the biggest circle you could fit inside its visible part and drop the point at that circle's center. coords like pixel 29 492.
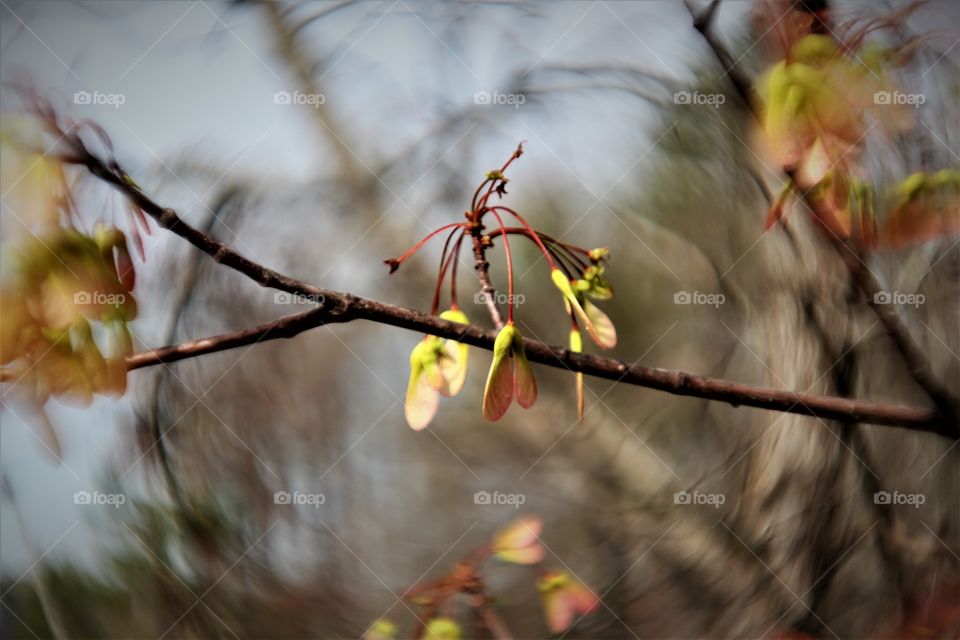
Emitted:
pixel 337 307
pixel 346 307
pixel 917 365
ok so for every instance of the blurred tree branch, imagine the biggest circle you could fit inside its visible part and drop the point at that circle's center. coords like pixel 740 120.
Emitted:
pixel 917 365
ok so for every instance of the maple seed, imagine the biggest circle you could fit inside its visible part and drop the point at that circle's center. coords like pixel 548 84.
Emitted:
pixel 565 599
pixel 510 375
pixel 519 542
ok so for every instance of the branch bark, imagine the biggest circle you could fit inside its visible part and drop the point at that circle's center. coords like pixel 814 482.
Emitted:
pixel 483 273
pixel 344 307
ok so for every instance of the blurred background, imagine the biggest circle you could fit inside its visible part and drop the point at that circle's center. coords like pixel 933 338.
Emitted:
pixel 321 138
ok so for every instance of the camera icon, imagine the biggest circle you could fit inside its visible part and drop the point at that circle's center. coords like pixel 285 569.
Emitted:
pixel 482 497
pixel 82 97
pixel 681 497
pixel 481 97
pixel 282 497
pixel 882 297
pixel 82 297
pixel 682 97
pixel 882 97
pixel 882 497
pixel 282 97
pixel 282 297
pixel 82 497
pixel 682 297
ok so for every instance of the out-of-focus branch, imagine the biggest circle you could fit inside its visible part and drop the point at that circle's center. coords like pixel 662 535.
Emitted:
pixel 290 49
pixel 917 364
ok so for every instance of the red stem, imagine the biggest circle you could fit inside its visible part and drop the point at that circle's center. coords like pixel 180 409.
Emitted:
pixel 506 248
pixel 533 234
pixel 453 273
pixel 417 246
pixel 444 264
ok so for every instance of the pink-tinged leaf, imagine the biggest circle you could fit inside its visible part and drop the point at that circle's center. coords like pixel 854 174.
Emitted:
pixel 421 403
pixel 529 555
pixel 524 384
pixel 498 392
pixel 453 367
pixel 559 611
pixel 422 398
pixel 814 165
pixel 433 373
pixel 520 533
pixel 584 600
pixel 519 543
pixel 565 600
pixel 606 333
pixel 453 360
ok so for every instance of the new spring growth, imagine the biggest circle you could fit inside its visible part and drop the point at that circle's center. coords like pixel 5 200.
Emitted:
pixel 438 367
pixel 510 375
pixel 816 107
pixel 565 599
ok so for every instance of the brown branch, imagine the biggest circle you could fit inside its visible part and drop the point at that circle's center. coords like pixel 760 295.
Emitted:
pixel 483 273
pixel 917 365
pixel 343 307
pixel 339 307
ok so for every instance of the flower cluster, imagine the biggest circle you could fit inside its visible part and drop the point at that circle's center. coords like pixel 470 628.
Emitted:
pixel 65 294
pixel 564 598
pixel 438 367
pixel 817 102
